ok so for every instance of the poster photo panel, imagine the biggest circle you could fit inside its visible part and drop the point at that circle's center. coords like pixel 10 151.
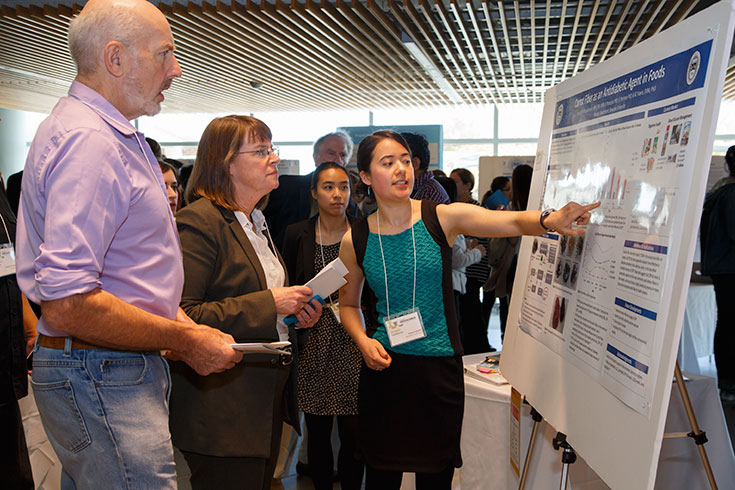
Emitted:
pixel 595 321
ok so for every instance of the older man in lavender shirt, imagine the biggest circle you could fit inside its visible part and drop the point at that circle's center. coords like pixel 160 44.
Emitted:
pixel 98 249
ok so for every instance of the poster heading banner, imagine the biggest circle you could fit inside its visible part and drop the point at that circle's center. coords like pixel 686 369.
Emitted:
pixel 675 75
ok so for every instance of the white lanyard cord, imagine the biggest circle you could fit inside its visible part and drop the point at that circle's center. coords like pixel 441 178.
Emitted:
pixel 321 247
pixel 266 232
pixel 385 269
pixel 6 230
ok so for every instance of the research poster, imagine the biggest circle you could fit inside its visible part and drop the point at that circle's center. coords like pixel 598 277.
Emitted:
pixel 594 322
pixel 601 300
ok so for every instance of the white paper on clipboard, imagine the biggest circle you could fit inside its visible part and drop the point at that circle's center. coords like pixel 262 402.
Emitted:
pixel 262 347
pixel 329 279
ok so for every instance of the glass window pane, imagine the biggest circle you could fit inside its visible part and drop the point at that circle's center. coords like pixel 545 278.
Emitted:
pixel 309 126
pixel 721 145
pixel 458 122
pixel 285 126
pixel 175 127
pixel 519 120
pixel 183 153
pixel 302 153
pixel 726 119
pixel 517 149
pixel 465 156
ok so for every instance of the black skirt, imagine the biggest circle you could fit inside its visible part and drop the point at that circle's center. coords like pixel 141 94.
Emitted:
pixel 411 414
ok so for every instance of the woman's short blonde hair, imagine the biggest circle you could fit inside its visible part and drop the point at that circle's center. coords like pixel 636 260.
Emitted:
pixel 220 143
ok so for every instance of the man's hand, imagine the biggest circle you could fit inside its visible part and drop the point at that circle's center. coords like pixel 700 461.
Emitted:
pixel 207 350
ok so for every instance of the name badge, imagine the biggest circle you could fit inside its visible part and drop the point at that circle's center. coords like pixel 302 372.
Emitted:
pixel 335 311
pixel 404 327
pixel 7 259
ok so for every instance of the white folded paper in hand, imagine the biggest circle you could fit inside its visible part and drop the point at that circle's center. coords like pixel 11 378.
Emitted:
pixel 262 347
pixel 329 279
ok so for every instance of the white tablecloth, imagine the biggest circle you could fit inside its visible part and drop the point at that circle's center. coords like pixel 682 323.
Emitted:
pixel 486 436
pixel 698 327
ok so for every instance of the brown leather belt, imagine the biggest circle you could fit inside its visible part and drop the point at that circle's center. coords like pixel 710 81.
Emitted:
pixel 60 342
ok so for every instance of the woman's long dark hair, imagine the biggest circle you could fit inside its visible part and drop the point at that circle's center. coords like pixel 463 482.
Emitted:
pixel 521 184
pixel 326 166
pixel 497 184
pixel 365 154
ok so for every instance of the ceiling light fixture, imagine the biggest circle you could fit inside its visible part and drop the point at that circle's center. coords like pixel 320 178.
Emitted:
pixel 430 69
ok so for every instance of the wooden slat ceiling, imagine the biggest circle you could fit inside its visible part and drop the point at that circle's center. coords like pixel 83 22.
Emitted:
pixel 269 55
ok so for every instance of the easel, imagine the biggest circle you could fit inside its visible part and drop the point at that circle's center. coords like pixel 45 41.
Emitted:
pixel 569 456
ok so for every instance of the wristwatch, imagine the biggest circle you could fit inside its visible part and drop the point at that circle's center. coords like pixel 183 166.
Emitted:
pixel 542 218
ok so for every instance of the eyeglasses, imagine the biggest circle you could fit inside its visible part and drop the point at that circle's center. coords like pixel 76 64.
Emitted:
pixel 264 152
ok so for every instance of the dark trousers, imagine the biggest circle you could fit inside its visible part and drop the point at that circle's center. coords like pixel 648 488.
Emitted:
pixel 321 459
pixel 488 300
pixel 15 466
pixel 391 480
pixel 725 331
pixel 236 473
pixel 473 322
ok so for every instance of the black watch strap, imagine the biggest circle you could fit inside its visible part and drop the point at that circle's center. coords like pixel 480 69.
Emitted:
pixel 542 218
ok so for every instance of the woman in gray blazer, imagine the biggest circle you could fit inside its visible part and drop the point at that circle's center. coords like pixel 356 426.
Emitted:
pixel 228 425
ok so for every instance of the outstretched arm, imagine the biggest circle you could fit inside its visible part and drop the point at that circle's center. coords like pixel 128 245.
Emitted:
pixel 461 218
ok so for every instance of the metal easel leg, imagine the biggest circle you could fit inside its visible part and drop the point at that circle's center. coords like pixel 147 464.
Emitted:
pixel 699 437
pixel 568 456
pixel 537 418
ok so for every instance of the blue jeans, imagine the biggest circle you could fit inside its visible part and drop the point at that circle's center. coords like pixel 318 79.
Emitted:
pixel 106 415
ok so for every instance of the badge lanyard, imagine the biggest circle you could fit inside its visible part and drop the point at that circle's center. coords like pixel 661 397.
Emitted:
pixel 6 230
pixel 266 234
pixel 7 254
pixel 385 269
pixel 332 306
pixel 405 326
pixel 271 246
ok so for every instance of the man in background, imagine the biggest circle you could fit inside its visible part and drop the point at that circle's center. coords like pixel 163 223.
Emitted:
pixel 425 186
pixel 291 201
pixel 98 250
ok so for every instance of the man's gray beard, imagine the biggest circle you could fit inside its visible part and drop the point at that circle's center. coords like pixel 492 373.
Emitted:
pixel 132 91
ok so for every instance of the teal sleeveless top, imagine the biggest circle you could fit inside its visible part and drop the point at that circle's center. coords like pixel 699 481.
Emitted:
pixel 399 261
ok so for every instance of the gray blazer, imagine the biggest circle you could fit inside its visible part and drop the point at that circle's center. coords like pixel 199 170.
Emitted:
pixel 229 413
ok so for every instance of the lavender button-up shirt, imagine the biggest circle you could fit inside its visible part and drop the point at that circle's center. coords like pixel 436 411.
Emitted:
pixel 94 212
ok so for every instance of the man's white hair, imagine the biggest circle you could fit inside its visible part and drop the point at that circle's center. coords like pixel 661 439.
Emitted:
pixel 339 134
pixel 98 24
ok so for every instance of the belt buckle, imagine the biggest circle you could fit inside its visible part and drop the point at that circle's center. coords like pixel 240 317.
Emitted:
pixel 287 357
